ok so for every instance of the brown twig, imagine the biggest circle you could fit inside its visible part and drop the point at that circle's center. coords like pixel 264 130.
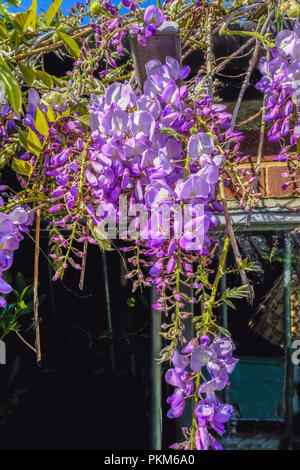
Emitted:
pixel 209 53
pixel 229 227
pixel 259 154
pixel 51 47
pixel 35 288
pixel 24 341
pixel 83 264
pixel 234 245
pixel 251 118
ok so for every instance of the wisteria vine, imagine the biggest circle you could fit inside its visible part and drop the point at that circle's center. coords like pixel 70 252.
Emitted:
pixel 91 150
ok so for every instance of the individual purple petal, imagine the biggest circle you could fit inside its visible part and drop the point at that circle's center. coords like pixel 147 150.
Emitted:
pixel 6 226
pixel 215 445
pixel 5 288
pixel 142 122
pixel 179 360
pixel 200 144
pixel 153 15
pixel 222 346
pixel 115 121
pixel 195 186
pixel 122 95
pixel 201 355
pixel 201 438
pixel 177 71
pixel 173 378
pixel 9 242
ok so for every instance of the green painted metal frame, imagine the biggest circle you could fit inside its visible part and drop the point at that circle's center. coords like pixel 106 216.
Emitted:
pixel 287 269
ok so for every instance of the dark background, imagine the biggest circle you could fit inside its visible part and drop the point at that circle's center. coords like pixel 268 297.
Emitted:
pixel 77 398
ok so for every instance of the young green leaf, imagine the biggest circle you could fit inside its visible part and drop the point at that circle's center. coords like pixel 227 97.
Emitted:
pixel 52 11
pixel 28 73
pixel 11 86
pixel 70 44
pixel 85 119
pixel 21 167
pixel 45 78
pixel 27 18
pixel 20 282
pixel 33 142
pixel 40 122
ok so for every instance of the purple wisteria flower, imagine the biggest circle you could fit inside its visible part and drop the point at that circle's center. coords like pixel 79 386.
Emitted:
pixel 11 226
pixel 281 81
pixel 216 358
pixel 153 19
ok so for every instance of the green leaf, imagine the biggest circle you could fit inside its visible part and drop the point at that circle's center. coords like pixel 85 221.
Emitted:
pixel 22 137
pixel 14 3
pixel 33 142
pixel 169 131
pixel 11 87
pixel 7 276
pixel 70 44
pixel 21 167
pixel 28 73
pixel 84 119
pixel 45 78
pixel 22 305
pixel 21 19
pixel 3 30
pixel 27 18
pixel 228 302
pixel 20 282
pixel 52 11
pixel 40 122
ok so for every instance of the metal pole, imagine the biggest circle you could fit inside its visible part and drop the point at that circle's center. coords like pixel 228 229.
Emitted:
pixel 108 308
pixel 223 286
pixel 155 377
pixel 166 42
pixel 288 338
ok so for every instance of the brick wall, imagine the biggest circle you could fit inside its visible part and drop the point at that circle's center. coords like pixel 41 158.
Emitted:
pixel 270 179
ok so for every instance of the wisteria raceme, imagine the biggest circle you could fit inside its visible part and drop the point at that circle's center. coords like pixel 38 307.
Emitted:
pixel 12 225
pixel 201 357
pixel 281 83
pixel 163 151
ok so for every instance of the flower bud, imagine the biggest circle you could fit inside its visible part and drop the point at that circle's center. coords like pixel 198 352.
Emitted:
pixel 95 7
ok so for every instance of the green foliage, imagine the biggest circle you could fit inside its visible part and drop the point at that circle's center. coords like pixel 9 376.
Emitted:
pixel 11 86
pixel 33 142
pixel 234 293
pixel 19 303
pixel 21 167
pixel 27 18
pixel 70 44
pixel 52 11
pixel 40 122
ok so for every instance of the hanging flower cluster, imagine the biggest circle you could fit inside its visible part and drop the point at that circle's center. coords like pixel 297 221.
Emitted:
pixel 160 150
pixel 281 83
pixel 202 357
pixel 12 227
pixel 99 161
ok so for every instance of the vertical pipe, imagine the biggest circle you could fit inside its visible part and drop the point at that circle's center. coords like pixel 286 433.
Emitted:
pixel 288 337
pixel 108 308
pixel 223 286
pixel 155 377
